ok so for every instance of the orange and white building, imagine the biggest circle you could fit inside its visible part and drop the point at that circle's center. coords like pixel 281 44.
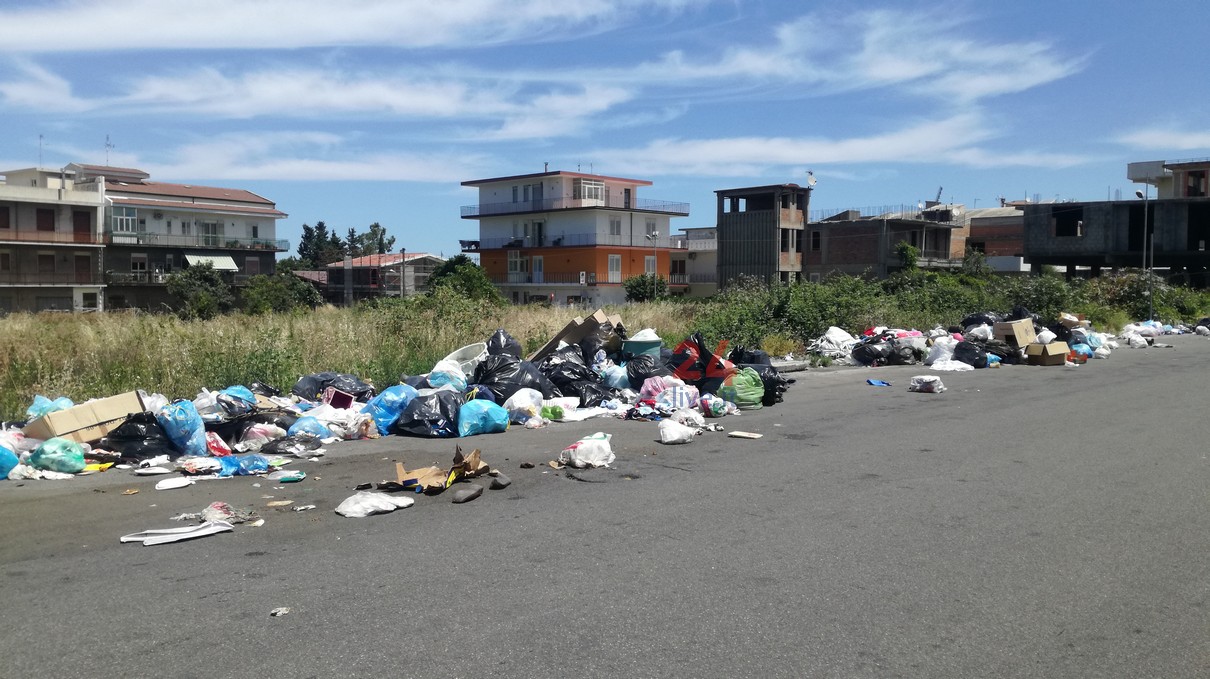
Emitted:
pixel 570 237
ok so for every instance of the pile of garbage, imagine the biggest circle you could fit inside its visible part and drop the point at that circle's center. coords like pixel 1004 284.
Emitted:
pixel 990 340
pixel 592 368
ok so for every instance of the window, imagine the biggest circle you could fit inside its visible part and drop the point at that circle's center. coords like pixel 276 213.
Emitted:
pixel 168 227
pixel 814 278
pixel 252 266
pixel 89 300
pixel 46 263
pixel 649 263
pixel 518 267
pixel 46 219
pixel 169 262
pixel 255 230
pixel 651 227
pixel 525 193
pixel 186 227
pixel 514 194
pixel 6 261
pixel 615 226
pixel 785 240
pixel 588 189
pixel 615 268
pixel 138 267
pixel 123 220
pixel 210 233
pixel 677 267
pixel 1067 222
pixel 5 222
pixel 816 241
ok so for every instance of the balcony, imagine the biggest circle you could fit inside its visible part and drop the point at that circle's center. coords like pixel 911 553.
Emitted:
pixel 200 241
pixel 35 236
pixel 551 204
pixel 563 240
pixel 528 278
pixel 709 277
pixel 15 278
pixel 136 278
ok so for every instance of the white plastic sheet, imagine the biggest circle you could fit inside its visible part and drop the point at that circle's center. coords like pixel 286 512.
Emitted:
pixel 590 451
pixel 366 503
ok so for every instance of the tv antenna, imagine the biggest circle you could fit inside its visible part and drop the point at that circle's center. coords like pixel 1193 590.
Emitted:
pixel 108 146
pixel 39 150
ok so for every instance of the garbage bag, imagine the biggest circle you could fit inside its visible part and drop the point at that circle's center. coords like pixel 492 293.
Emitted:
pixel 264 389
pixel 503 343
pixel 641 367
pixel 298 445
pixel 311 387
pixel 447 371
pixel 386 407
pixel 591 393
pixel 565 368
pixel 616 377
pixel 876 352
pixel 44 406
pixel 310 425
pixel 676 397
pixel 479 391
pixel 672 432
pixel 183 425
pixel 745 389
pixel 480 416
pixel 524 404
pixel 140 437
pixel 8 460
pixel 505 374
pixel 242 465
pixel 693 362
pixel 364 503
pixel 902 353
pixel 237 400
pixel 590 451
pixel 1061 332
pixel 775 383
pixel 742 354
pixel 58 455
pixel 1002 350
pixel 433 415
pixel 988 317
pixel 971 354
pixel 1082 349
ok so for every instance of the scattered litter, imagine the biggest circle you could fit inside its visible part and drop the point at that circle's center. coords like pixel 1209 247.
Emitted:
pixel 878 383
pixel 279 503
pixel 366 503
pixel 672 432
pixel 292 476
pixel 743 435
pixel 176 482
pixel 163 536
pixel 590 451
pixel 131 491
pixel 527 465
pixel 926 384
pixel 279 612
pixel 303 508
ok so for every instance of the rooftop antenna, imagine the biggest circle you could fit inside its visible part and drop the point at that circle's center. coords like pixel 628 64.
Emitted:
pixel 938 198
pixel 810 178
pixel 107 147
pixel 546 166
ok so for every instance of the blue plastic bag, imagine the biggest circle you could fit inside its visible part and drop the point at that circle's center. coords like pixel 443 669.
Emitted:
pixel 310 425
pixel 480 416
pixel 616 377
pixel 43 406
pixel 237 400
pixel 243 465
pixel 8 460
pixel 183 425
pixel 1083 350
pixel 386 407
pixel 448 372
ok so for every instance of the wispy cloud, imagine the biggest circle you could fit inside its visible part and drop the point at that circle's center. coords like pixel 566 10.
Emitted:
pixel 34 87
pixel 1172 138
pixel 96 25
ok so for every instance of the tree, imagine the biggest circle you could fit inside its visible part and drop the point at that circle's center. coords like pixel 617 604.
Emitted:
pixel 974 263
pixel 909 255
pixel 202 291
pixel 645 288
pixel 376 241
pixel 466 278
pixel 278 293
pixel 291 264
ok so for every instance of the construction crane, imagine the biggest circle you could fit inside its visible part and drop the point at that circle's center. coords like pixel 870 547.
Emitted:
pixel 938 198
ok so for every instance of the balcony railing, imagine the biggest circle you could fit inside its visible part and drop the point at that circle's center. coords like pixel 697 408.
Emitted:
pixel 678 279
pixel 136 278
pixel 565 240
pixel 35 236
pixel 198 241
pixel 710 277
pixel 550 204
pixel 529 278
pixel 67 278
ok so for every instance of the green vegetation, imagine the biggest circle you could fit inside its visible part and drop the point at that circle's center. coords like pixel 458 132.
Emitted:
pixel 280 292
pixel 202 292
pixel 84 356
pixel 645 288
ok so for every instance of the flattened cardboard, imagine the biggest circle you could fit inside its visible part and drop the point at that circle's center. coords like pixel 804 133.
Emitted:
pixel 1015 334
pixel 86 422
pixel 426 480
pixel 574 331
pixel 1054 353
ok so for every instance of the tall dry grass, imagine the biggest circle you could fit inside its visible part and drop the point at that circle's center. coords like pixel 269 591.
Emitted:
pixel 97 355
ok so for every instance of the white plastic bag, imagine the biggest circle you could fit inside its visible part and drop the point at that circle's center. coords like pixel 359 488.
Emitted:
pixel 525 401
pixel 1101 352
pixel 448 371
pixel 950 365
pixel 364 503
pixel 943 350
pixel 688 417
pixel 672 431
pixel 926 384
pixel 980 333
pixel 590 451
pixel 1045 337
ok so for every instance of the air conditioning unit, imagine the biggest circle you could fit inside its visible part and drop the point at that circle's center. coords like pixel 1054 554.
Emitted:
pixel 583 277
pixel 692 255
pixel 158 216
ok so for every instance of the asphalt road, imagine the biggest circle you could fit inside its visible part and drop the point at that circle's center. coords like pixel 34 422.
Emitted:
pixel 1028 522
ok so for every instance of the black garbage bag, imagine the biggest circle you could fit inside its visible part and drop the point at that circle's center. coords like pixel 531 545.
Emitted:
pixel 483 392
pixel 311 387
pixel 744 355
pixel 876 351
pixel 1002 349
pixel 278 418
pixel 988 317
pixel 264 389
pixel 1062 332
pixel 231 430
pixel 565 368
pixel 776 384
pixel 971 354
pixel 592 394
pixel 298 445
pixel 903 353
pixel 639 368
pixel 503 343
pixel 696 364
pixel 431 416
pixel 140 437
pixel 415 381
pixel 504 375
pixel 1204 321
pixel 590 345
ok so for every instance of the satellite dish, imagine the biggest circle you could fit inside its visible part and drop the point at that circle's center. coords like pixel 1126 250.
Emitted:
pixel 810 178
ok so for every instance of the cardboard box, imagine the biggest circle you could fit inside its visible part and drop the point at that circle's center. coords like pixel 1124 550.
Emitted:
pixel 1054 353
pixel 576 330
pixel 1016 334
pixel 86 422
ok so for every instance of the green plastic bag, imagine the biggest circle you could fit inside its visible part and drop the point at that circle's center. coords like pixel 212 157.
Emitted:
pixel 59 455
pixel 745 389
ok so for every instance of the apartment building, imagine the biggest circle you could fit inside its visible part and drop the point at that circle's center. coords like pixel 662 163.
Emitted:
pixel 570 237
pixel 760 232
pixel 695 261
pixel 856 244
pixel 400 274
pixel 50 242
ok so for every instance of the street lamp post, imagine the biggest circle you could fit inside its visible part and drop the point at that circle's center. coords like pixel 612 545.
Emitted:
pixel 654 237
pixel 1148 265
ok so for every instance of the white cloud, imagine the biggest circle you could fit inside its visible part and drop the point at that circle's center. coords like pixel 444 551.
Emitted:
pixel 1167 138
pixel 128 25
pixel 37 88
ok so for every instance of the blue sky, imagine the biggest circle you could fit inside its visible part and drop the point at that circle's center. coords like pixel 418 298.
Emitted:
pixel 366 111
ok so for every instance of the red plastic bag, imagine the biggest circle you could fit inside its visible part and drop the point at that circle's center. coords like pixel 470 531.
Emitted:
pixel 216 445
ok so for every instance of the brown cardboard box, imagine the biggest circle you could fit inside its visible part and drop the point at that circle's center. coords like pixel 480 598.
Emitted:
pixel 1016 334
pixel 86 422
pixel 1054 353
pixel 576 330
